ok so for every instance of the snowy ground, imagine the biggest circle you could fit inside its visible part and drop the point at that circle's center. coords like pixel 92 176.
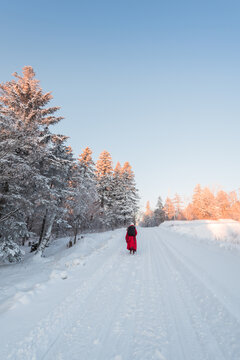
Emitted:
pixel 178 298
pixel 225 232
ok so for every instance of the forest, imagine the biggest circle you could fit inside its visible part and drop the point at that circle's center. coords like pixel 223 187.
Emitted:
pixel 45 191
pixel 205 204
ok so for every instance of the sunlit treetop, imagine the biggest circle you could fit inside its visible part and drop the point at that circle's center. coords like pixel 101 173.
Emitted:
pixel 23 99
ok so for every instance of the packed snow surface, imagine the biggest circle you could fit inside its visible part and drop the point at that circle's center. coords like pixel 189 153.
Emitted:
pixel 223 231
pixel 177 298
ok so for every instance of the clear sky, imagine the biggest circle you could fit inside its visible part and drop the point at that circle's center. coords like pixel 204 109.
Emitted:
pixel 156 83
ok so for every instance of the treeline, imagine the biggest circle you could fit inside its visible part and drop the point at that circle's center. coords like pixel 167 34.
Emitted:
pixel 44 191
pixel 205 205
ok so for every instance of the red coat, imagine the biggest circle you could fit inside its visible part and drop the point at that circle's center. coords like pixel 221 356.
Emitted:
pixel 131 241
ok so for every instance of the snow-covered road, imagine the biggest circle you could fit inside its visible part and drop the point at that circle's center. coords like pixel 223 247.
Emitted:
pixel 177 298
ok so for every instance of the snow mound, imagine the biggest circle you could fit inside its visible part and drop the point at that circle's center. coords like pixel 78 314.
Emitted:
pixel 225 231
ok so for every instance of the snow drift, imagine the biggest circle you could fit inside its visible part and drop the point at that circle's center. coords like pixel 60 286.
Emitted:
pixel 226 231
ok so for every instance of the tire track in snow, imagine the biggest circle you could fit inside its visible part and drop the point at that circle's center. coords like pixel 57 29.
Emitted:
pixel 175 317
pixel 43 336
pixel 212 321
pixel 184 331
pixel 207 278
pixel 96 321
pixel 150 336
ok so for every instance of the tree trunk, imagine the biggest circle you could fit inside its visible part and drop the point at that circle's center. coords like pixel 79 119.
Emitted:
pixel 42 228
pixel 76 232
pixel 48 233
pixel 75 237
pixel 30 222
pixel 4 188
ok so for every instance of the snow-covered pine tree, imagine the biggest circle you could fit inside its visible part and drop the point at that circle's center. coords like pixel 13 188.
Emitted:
pixel 234 206
pixel 188 212
pixel 158 214
pixel 223 210
pixel 23 100
pixel 148 210
pixel 104 172
pixel 23 103
pixel 130 193
pixel 197 205
pixel 57 169
pixel 169 209
pixel 84 205
pixel 17 181
pixel 118 197
pixel 178 206
pixel 208 204
pixel 147 218
pixel 12 185
pixel 90 198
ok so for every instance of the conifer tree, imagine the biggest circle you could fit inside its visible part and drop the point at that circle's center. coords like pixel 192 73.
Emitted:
pixel 84 204
pixel 89 183
pixel 57 171
pixel 23 104
pixel 23 100
pixel 131 194
pixel 208 210
pixel 197 202
pixel 222 205
pixel 234 206
pixel 188 212
pixel 158 214
pixel 104 173
pixel 147 218
pixel 118 197
pixel 169 209
pixel 178 206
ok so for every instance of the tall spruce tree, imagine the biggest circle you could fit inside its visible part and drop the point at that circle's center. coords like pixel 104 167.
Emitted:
pixel 104 172
pixel 197 204
pixel 58 167
pixel 158 214
pixel 84 204
pixel 178 206
pixel 131 194
pixel 147 218
pixel 24 105
pixel 169 209
pixel 118 197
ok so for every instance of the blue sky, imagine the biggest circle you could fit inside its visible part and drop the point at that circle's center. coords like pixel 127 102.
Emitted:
pixel 155 83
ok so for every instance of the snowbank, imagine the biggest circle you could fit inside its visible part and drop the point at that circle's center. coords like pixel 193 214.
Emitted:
pixel 225 231
pixel 20 283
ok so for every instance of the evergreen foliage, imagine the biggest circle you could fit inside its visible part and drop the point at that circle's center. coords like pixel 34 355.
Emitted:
pixel 44 191
pixel 104 172
pixel 25 141
pixel 153 218
pixel 169 209
pixel 131 197
pixel 84 204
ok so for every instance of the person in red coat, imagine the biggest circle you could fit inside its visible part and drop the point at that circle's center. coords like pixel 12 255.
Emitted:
pixel 131 239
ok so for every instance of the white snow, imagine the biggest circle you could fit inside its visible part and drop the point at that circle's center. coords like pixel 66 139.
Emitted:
pixel 224 231
pixel 177 298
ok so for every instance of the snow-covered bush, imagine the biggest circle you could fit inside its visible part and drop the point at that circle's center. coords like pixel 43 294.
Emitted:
pixel 11 235
pixel 10 252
